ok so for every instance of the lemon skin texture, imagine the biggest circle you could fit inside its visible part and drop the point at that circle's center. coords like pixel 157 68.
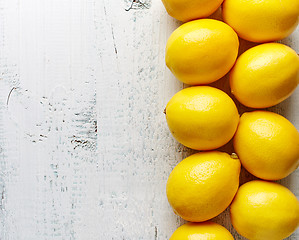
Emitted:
pixel 267 145
pixel 203 185
pixel 202 117
pixel 265 75
pixel 184 10
pixel 201 51
pixel 261 20
pixel 264 210
pixel 201 231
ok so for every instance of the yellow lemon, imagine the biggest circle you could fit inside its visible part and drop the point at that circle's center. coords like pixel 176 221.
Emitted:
pixel 201 231
pixel 186 10
pixel 203 185
pixel 202 117
pixel 264 211
pixel 201 51
pixel 267 145
pixel 262 20
pixel 265 75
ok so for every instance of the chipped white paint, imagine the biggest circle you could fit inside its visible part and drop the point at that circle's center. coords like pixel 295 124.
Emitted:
pixel 84 147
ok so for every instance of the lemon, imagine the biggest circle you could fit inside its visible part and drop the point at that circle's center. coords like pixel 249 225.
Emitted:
pixel 264 211
pixel 262 20
pixel 265 75
pixel 201 231
pixel 203 185
pixel 202 117
pixel 267 145
pixel 186 10
pixel 201 51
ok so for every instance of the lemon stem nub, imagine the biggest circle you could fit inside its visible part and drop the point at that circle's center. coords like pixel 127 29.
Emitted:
pixel 234 156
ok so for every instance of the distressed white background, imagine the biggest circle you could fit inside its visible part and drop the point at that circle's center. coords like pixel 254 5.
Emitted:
pixel 85 151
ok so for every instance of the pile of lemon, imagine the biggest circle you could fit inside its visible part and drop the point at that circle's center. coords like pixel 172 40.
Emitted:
pixel 205 118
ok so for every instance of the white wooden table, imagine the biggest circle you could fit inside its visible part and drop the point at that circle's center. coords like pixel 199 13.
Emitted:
pixel 85 151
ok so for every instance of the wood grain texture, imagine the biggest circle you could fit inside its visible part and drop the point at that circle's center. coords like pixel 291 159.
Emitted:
pixel 85 151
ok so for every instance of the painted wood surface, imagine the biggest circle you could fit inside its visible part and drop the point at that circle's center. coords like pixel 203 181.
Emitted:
pixel 85 151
